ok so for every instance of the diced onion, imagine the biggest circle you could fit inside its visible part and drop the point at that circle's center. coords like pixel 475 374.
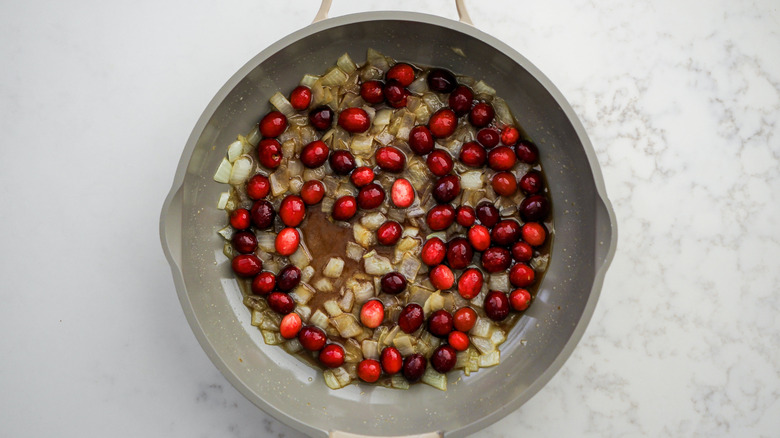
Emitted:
pixel 354 251
pixel 376 264
pixel 346 64
pixel 319 319
pixel 410 265
pixel 302 294
pixel 282 104
pixel 472 180
pixel 223 200
pixel 242 168
pixel 272 338
pixel 304 312
pixel 235 150
pixel 347 325
pixel 482 88
pixel 377 60
pixel 223 171
pixel 482 344
pixel 490 359
pixel 382 117
pixel 334 268
pixel 365 237
pixel 307 273
pixel 373 221
pixel 481 327
pixel 437 380
pixel 503 114
pixel 309 80
pixel 280 181
pixel 226 233
pixel 334 77
pixel 292 346
pixel 347 301
pixel 370 349
pixel 323 285
pixel 499 282
pixel 419 85
pixel 404 344
pixel 266 241
pixel 332 307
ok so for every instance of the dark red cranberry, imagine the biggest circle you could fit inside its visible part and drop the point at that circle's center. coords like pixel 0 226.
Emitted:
pixel 446 188
pixel 273 124
pixel 496 259
pixel 342 162
pixel 372 92
pixel 332 356
pixel 521 275
pixel 246 265
pixel 527 152
pixel 443 358
pixel 439 162
pixel 479 237
pixel 269 153
pixel 522 252
pixel 401 102
pixel 244 242
pixel 369 370
pixel 354 120
pixel 488 137
pixel 312 192
pixel 362 176
pixel 443 123
pixel 481 115
pixel 280 303
pixel 390 159
pixel 391 360
pixel 470 283
pixel 394 91
pixel 393 283
pixel 531 182
pixel 414 367
pixel 510 135
pixel 300 97
pixel 289 278
pixel 473 154
pixel 519 299
pixel 441 277
pixel 344 208
pixel 461 99
pixel 312 338
pixel 421 140
pixel 258 187
pixel 314 154
pixel 440 323
pixel 440 217
pixel 264 283
pixel 496 305
pixel 371 196
pixel 433 252
pixel 534 208
pixel 292 210
pixel 321 118
pixel 441 81
pixel 410 318
pixel 389 233
pixel 501 158
pixel 505 233
pixel 240 219
pixel 504 183
pixel 459 253
pixel 401 72
pixel 487 214
pixel 465 216
pixel 263 214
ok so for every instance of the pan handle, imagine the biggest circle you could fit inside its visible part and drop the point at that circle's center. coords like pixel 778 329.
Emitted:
pixel 463 14
pixel 335 434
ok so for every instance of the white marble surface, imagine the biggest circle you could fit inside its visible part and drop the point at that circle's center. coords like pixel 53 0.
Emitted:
pixel 681 100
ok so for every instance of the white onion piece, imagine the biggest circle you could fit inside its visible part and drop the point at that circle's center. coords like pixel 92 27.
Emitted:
pixel 483 345
pixel 307 273
pixel 309 80
pixel 377 60
pixel 266 241
pixel 226 233
pixel 403 343
pixel 332 307
pixel 410 265
pixel 334 77
pixel 399 382
pixel 347 301
pixel 235 150
pixel 223 200
pixel 301 257
pixel 376 264
pixel 324 285
pixel 482 88
pixel 481 328
pixel 361 144
pixel 280 181
pixel 292 346
pixel 346 63
pixel 302 294
pixel 370 349
pixel 331 380
pixel 499 282
pixel 282 104
pixel 407 123
pixel 490 359
pixel 242 169
pixel 540 263
pixel 272 338
pixel 222 174
pixel 433 102
pixel 432 378
pixel 334 268
pixel 304 312
pixel 503 114
pixel 319 319
pixel 347 325
pixel 253 137
pixel 383 116
pixel 354 251
pixel 373 221
pixel 472 180
pixel 419 85
pixel 365 237
pixel 497 337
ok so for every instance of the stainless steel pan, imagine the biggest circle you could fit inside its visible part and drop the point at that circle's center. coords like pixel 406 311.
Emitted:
pixel 294 393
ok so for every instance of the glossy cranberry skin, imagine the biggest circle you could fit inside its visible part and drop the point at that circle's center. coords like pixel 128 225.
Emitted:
pixel 312 338
pixel 488 137
pixel 280 303
pixel 527 152
pixel 509 135
pixel 240 219
pixel 390 159
pixel 262 214
pixel 505 233
pixel 292 210
pixel 501 158
pixel 264 283
pixel 258 187
pixel 487 214
pixel 459 253
pixel 439 162
pixel 440 217
pixel 300 97
pixel 290 325
pixel 372 313
pixel 371 196
pixel 391 360
pixel 504 183
pixel 441 277
pixel 496 259
pixel 479 237
pixel 421 140
pixel 402 102
pixel 393 283
pixel 362 176
pixel 321 118
pixel 531 182
pixel 534 208
pixel 344 208
pixel 410 318
pixel 446 188
pixel 470 283
pixel 395 92
pixel 289 277
pixel 314 154
pixel 402 193
pixel 534 233
pixel 465 216
pixel 332 356
pixel 472 154
pixel 269 153
pixel 458 340
pixel 440 323
pixel 433 252
pixel 354 120
pixel 519 299
pixel 401 72
pixel 481 115
pixel 369 370
pixel 496 305
pixel 443 123
pixel 464 319
pixel 287 241
pixel 443 358
pixel 372 91
pixel 246 265
pixel 521 275
pixel 273 124
pixel 389 233
pixel 342 162
pixel 441 80
pixel 414 367
pixel 244 242
pixel 312 192
pixel 461 99
pixel 522 252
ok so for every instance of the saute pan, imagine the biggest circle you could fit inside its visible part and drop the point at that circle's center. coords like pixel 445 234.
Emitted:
pixel 293 392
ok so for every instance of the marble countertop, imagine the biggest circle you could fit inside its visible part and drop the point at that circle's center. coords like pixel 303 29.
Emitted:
pixel 680 98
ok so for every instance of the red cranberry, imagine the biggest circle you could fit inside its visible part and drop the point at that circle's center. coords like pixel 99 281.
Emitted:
pixel 465 216
pixel 395 92
pixel 521 275
pixel 354 120
pixel 522 252
pixel 531 182
pixel 372 313
pixel 440 217
pixel 433 252
pixel 501 158
pixel 505 233
pixel 443 123
pixel 287 241
pixel 321 118
pixel 527 152
pixel 504 183
pixel 344 208
pixel 464 319
pixel 402 102
pixel 473 155
pixel 390 159
pixel 262 214
pixel 362 176
pixel 300 97
pixel 246 265
pixel 459 253
pixel 289 277
pixel 487 214
pixel 393 283
pixel 534 233
pixel 258 187
pixel 369 370
pixel 488 137
pixel 519 299
pixel 510 135
pixel 269 153
pixel 461 99
pixel 481 115
pixel 273 124
pixel 410 318
pixel 414 367
pixel 290 325
pixel 240 219
pixel 312 338
pixel 496 305
pixel 244 242
pixel 314 154
pixel 401 72
pixel 534 208
pixel 496 259
pixel 389 233
pixel 439 162
pixel 458 340
pixel 421 140
pixel 342 162
pixel 402 193
pixel 312 192
pixel 440 323
pixel 446 189
pixel 372 92
pixel 391 359
pixel 441 81
pixel 280 303
pixel 332 356
pixel 479 237
pixel 264 283
pixel 470 283
pixel 443 358
pixel 292 210
pixel 442 277
pixel 371 196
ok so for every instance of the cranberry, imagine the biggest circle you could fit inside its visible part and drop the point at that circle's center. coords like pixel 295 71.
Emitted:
pixel 534 208
pixel 504 183
pixel 520 299
pixel 290 325
pixel 443 123
pixel 392 361
pixel 458 340
pixel 395 92
pixel 439 162
pixel 369 370
pixel 314 154
pixel 521 275
pixel 534 233
pixel 262 214
pixel 496 305
pixel 264 283
pixel 273 124
pixel 470 283
pixel 481 115
pixel 461 99
pixel 446 189
pixel 505 233
pixel 372 313
pixel 510 135
pixel 401 72
pixel 479 237
pixel 464 319
pixel 401 102
pixel 332 356
pixel 287 241
pixel 362 176
pixel 292 210
pixel 465 216
pixel 354 120
pixel 487 214
pixel 433 252
pixel 244 242
pixel 389 233
pixel 441 81
pixel 410 318
pixel 393 283
pixel 269 153
pixel 312 192
pixel 459 253
pixel 390 159
pixel 371 196
pixel 300 97
pixel 473 155
pixel 321 118
pixel 240 219
pixel 280 303
pixel 289 277
pixel 312 338
pixel 372 92
pixel 440 323
pixel 246 265
pixel 402 193
pixel 522 252
pixel 414 367
pixel 496 259
pixel 443 358
pixel 342 162
pixel 440 217
pixel 442 277
pixel 421 140
pixel 258 187
pixel 344 208
pixel 501 158
pixel 488 137
pixel 527 152
pixel 531 182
